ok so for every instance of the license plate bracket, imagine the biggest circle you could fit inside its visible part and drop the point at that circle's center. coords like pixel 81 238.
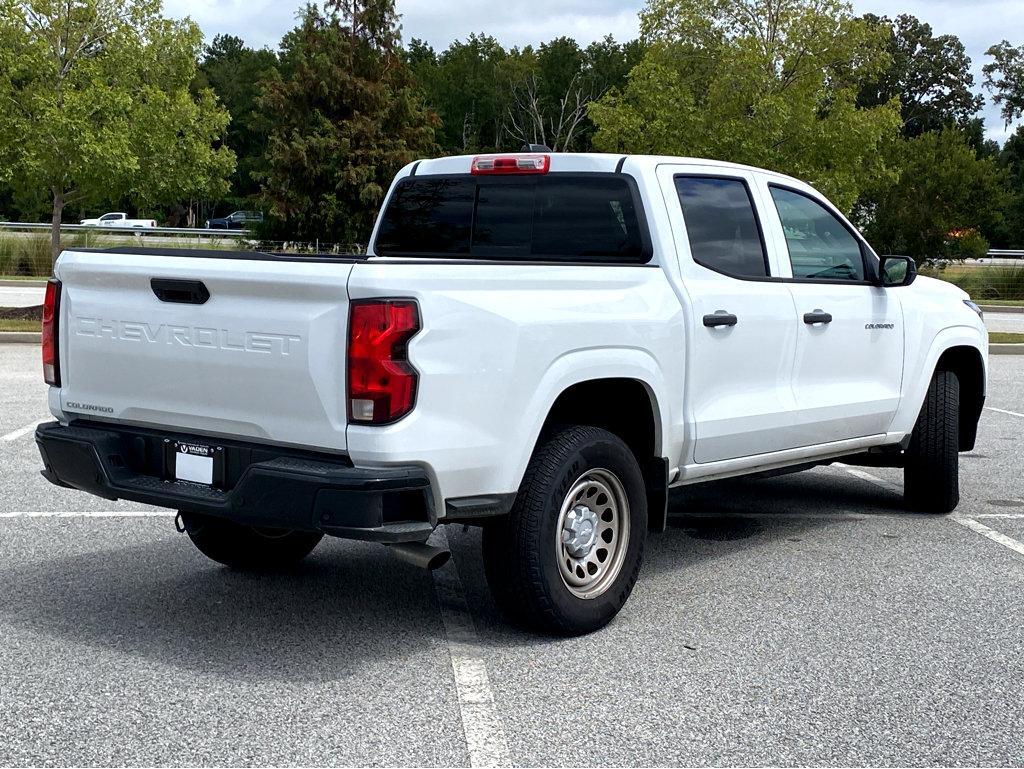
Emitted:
pixel 193 462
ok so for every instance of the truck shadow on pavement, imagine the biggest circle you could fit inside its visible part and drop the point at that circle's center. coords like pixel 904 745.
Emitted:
pixel 351 605
pixel 709 522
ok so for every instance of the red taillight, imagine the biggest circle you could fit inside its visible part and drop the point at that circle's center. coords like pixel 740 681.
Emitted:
pixel 381 381
pixel 51 317
pixel 510 164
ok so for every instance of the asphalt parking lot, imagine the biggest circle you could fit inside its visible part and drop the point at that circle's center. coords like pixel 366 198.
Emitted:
pixel 804 619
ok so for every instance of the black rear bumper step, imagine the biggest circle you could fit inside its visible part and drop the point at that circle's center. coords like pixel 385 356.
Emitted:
pixel 262 486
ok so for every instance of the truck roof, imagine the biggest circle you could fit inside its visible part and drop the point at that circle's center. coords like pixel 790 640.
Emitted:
pixel 593 162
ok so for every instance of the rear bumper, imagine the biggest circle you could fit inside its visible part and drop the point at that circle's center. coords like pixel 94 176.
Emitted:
pixel 260 485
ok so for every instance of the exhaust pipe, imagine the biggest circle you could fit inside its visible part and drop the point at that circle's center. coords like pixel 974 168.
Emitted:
pixel 420 554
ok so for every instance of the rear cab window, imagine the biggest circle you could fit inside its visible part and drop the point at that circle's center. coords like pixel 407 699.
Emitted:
pixel 559 217
pixel 722 225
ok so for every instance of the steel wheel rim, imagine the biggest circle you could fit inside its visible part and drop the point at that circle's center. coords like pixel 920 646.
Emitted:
pixel 592 535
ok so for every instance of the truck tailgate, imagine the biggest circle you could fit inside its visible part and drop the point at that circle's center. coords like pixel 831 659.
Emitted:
pixel 262 357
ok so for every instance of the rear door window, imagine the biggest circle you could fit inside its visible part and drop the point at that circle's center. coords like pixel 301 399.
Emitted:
pixel 722 226
pixel 556 217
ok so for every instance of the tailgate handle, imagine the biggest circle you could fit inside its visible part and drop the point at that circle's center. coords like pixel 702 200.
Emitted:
pixel 180 291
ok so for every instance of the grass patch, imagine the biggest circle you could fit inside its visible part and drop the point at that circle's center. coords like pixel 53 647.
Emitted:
pixel 21 318
pixel 987 284
pixel 19 325
pixel 1005 303
pixel 1003 337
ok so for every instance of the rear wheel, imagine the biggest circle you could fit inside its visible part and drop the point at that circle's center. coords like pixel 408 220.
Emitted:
pixel 566 558
pixel 931 478
pixel 248 547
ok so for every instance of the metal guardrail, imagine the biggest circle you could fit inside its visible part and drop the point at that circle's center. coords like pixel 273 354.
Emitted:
pixel 1005 253
pixel 216 233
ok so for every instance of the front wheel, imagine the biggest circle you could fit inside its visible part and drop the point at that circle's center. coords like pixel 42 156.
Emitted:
pixel 248 547
pixel 931 477
pixel 567 556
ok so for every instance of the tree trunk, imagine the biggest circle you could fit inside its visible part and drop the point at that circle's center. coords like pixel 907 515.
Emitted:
pixel 58 211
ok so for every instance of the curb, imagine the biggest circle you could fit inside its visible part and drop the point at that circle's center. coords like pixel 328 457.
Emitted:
pixel 1006 349
pixel 34 337
pixel 1000 308
pixel 23 283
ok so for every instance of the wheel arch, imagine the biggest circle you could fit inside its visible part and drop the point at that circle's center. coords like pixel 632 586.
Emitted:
pixel 627 400
pixel 963 350
pixel 967 363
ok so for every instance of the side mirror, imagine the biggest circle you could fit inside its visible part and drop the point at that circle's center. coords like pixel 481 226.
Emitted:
pixel 896 271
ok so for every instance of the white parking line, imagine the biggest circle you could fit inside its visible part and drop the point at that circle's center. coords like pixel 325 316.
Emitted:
pixel 970 523
pixel 995 536
pixel 1004 411
pixel 481 723
pixel 856 472
pixel 92 514
pixel 23 431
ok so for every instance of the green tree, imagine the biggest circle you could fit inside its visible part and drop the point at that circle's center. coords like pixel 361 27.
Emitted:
pixel 346 117
pixel 97 104
pixel 1009 233
pixel 930 75
pixel 608 63
pixel 235 73
pixel 1004 77
pixel 944 195
pixel 772 83
pixel 463 85
pixel 550 89
pixel 548 93
pixel 492 99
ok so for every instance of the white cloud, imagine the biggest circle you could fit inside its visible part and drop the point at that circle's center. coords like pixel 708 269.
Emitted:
pixel 979 23
pixel 515 22
pixel 518 22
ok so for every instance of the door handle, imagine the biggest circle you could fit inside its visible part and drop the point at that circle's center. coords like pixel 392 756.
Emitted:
pixel 818 316
pixel 720 318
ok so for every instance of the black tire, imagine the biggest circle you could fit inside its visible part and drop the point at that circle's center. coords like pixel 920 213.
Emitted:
pixel 247 547
pixel 931 477
pixel 521 551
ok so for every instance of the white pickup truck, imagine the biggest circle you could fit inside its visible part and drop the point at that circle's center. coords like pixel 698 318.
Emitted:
pixel 119 219
pixel 539 344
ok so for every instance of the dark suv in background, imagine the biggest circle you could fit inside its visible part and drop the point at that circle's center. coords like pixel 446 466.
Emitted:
pixel 239 220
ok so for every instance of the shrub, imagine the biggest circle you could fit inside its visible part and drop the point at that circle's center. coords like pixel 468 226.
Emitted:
pixel 966 244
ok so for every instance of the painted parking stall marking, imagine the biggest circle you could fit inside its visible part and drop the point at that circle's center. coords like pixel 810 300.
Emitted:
pixel 481 723
pixel 970 523
pixel 92 514
pixel 856 472
pixel 1004 411
pixel 996 536
pixel 22 431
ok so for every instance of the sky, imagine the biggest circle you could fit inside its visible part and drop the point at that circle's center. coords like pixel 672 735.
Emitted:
pixel 978 23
